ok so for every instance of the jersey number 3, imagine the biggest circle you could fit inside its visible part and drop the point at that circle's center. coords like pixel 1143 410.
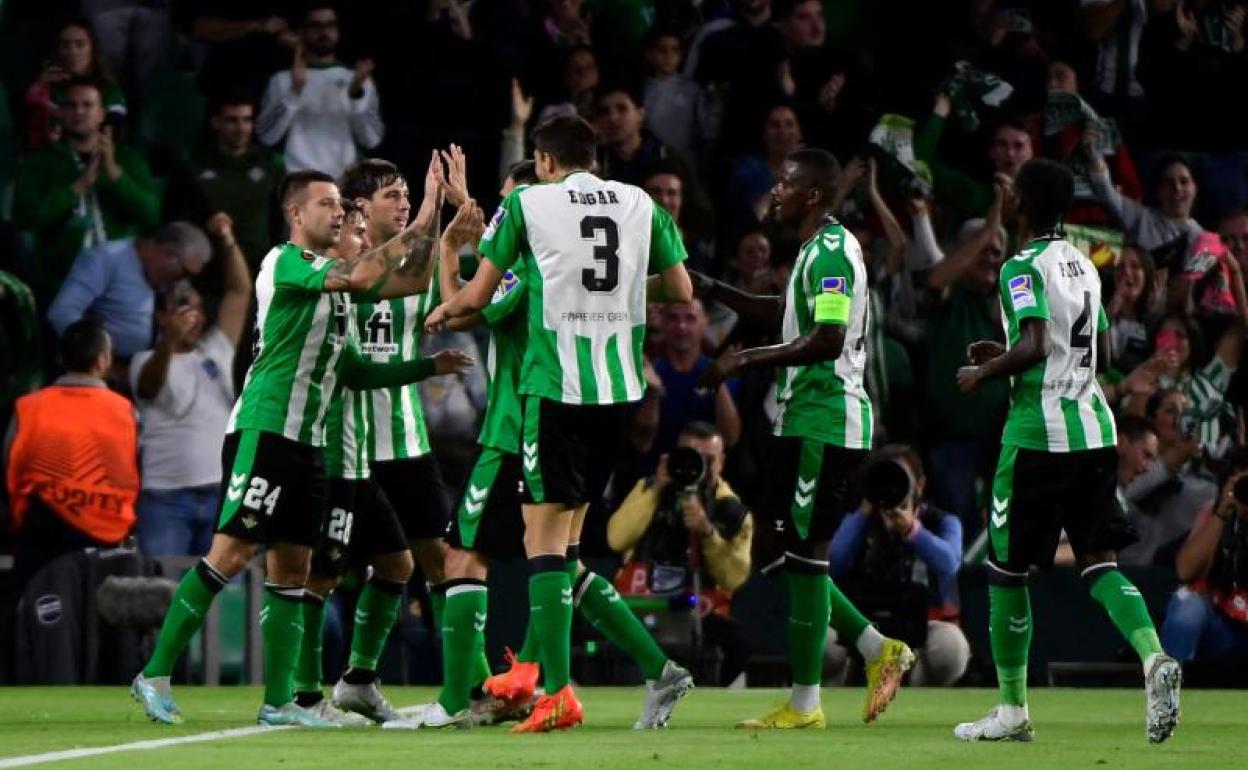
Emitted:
pixel 604 276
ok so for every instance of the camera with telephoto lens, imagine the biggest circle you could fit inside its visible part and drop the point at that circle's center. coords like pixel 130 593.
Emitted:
pixel 887 484
pixel 666 543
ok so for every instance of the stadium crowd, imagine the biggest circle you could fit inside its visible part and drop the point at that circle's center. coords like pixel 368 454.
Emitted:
pixel 142 144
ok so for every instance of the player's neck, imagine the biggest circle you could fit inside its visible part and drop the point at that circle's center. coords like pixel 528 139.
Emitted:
pixel 299 239
pixel 815 221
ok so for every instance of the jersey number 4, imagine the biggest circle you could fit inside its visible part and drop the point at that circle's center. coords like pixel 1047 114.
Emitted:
pixel 604 276
pixel 1081 332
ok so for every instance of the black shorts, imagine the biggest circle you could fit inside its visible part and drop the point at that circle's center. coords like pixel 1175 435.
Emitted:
pixel 272 489
pixel 360 524
pixel 1035 495
pixel 419 495
pixel 811 486
pixel 489 520
pixel 569 450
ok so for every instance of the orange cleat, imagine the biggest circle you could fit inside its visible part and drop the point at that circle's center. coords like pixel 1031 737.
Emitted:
pixel 515 685
pixel 553 712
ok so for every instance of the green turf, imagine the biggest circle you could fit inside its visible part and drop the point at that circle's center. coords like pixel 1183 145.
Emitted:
pixel 1074 729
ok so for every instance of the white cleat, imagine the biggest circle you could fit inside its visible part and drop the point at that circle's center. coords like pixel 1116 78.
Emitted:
pixel 1161 686
pixel 993 728
pixel 325 709
pixel 291 714
pixel 661 697
pixel 365 700
pixel 431 716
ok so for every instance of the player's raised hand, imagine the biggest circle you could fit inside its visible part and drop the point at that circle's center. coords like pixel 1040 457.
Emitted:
pixel 983 351
pixel 968 379
pixel 452 361
pixel 721 369
pixel 435 176
pixel 455 184
pixel 437 320
pixel 467 226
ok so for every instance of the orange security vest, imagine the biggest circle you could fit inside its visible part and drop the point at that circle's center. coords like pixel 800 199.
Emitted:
pixel 76 453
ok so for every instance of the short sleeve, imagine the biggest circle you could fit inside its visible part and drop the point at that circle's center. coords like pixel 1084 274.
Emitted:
pixel 300 270
pixel 507 298
pixel 504 236
pixel 667 248
pixel 1102 320
pixel 1022 290
pixel 830 280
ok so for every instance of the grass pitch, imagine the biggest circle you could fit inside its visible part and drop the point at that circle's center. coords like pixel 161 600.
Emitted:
pixel 1074 729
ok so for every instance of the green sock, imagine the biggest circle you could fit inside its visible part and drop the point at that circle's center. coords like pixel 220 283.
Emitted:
pixel 463 634
pixel 281 627
pixel 308 667
pixel 600 603
pixel 375 613
pixel 1009 626
pixel 846 620
pixel 1126 608
pixel 550 613
pixel 809 613
pixel 529 652
pixel 186 613
pixel 480 666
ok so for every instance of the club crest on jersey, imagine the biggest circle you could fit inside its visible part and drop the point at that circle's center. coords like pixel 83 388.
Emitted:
pixel 496 222
pixel 505 286
pixel 834 286
pixel 1021 293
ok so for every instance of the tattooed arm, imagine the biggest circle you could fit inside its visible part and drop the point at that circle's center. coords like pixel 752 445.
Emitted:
pixel 371 267
pixel 413 275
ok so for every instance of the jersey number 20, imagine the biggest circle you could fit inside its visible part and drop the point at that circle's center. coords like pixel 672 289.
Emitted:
pixel 602 279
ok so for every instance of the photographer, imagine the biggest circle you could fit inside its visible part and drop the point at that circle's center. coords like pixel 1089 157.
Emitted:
pixel 898 558
pixel 1208 616
pixel 686 523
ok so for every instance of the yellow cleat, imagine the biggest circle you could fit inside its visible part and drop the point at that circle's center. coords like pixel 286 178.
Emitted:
pixel 785 717
pixel 884 677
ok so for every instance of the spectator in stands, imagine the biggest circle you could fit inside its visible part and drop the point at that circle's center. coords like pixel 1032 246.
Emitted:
pixel 230 173
pixel 665 185
pixel 751 271
pixel 1233 230
pixel 1207 618
pixel 580 83
pixel 676 106
pixel 81 191
pixel 628 151
pixel 21 351
pixel 680 366
pixel 135 37
pixel 245 41
pixel 658 524
pixel 753 176
pixel 1163 500
pixel 86 497
pixel 1116 27
pixel 319 110
pixel 1153 227
pixel 185 392
pixel 1133 308
pixel 1138 450
pixel 900 567
pixel 118 281
pixel 1009 147
pixel 963 431
pixel 76 56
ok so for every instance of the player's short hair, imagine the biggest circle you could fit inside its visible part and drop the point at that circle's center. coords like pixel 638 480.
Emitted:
pixel 234 97
pixel 524 172
pixel 700 431
pixel 820 168
pixel 1135 428
pixel 81 343
pixel 296 182
pixel 1046 190
pixel 85 81
pixel 569 138
pixel 364 178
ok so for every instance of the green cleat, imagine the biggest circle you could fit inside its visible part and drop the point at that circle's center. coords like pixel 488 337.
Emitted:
pixel 156 699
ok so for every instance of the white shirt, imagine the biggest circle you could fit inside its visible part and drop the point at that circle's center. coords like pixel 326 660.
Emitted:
pixel 184 426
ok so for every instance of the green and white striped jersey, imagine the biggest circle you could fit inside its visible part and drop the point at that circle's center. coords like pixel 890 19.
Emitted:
pixel 1057 405
pixel 390 332
pixel 346 436
pixel 827 401
pixel 587 246
pixel 509 331
pixel 301 333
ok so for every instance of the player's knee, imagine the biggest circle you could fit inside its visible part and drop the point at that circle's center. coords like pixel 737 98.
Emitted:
pixel 288 565
pixel 321 585
pixel 1007 575
pixel 465 565
pixel 1092 565
pixel 229 555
